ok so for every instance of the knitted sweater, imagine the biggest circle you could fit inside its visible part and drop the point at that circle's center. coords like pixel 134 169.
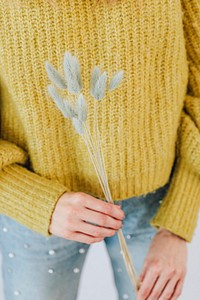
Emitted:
pixel 149 125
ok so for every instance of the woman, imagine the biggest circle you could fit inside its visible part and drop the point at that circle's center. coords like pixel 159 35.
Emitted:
pixel 50 198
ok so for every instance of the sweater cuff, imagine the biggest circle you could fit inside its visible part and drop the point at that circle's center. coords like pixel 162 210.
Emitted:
pixel 29 198
pixel 179 209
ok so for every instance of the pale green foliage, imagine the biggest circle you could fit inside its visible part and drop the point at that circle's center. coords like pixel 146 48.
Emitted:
pixel 63 105
pixel 115 81
pixel 55 77
pixel 100 87
pixel 78 126
pixel 98 82
pixel 72 72
pixel 81 108
pixel 73 83
pixel 94 77
pixel 70 108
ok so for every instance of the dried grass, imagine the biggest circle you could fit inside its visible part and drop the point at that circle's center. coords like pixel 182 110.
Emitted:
pixel 78 115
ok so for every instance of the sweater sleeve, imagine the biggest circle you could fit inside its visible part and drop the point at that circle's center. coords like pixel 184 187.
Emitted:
pixel 26 196
pixel 179 210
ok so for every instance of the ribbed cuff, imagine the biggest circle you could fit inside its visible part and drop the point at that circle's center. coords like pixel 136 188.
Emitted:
pixel 179 210
pixel 28 197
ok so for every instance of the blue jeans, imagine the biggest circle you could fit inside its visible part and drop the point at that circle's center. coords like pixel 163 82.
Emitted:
pixel 49 268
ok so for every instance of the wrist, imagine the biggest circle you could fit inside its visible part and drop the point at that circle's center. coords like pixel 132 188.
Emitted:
pixel 161 229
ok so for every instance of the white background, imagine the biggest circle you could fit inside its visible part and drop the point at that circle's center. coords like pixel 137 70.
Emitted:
pixel 97 282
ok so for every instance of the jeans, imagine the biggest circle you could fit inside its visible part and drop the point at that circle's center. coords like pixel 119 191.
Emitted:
pixel 49 268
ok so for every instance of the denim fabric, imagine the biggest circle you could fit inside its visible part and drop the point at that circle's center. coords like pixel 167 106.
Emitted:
pixel 37 267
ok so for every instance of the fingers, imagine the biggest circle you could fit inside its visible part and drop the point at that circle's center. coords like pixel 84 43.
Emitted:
pixel 101 206
pixel 88 239
pixel 161 287
pixel 168 289
pixel 100 219
pixel 178 289
pixel 95 230
pixel 147 285
pixel 75 210
pixel 74 223
pixel 76 236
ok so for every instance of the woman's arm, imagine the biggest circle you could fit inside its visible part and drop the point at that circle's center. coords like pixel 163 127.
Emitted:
pixel 178 212
pixel 24 195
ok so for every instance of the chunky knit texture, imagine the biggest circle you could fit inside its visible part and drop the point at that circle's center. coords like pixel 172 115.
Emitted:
pixel 150 125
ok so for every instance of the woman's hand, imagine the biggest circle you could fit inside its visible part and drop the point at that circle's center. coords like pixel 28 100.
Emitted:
pixel 74 209
pixel 164 267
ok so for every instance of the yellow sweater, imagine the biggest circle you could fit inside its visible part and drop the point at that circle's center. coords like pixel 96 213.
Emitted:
pixel 150 124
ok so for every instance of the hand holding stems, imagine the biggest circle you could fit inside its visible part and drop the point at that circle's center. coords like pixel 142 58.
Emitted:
pixel 78 114
pixel 76 213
